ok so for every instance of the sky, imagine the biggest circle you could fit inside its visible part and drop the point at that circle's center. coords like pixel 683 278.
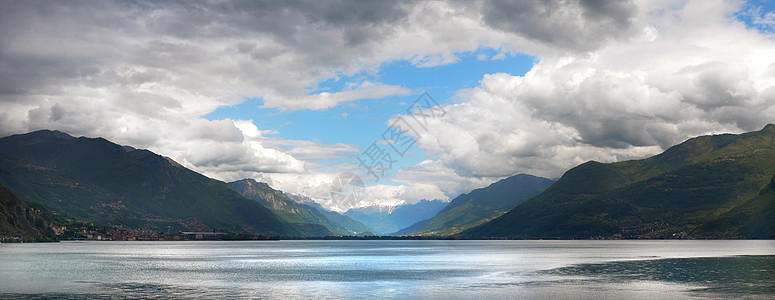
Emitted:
pixel 421 100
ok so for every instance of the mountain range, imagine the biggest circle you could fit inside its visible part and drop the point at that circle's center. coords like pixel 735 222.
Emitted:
pixel 480 206
pixel 95 180
pixel 291 211
pixel 719 186
pixel 716 186
pixel 384 220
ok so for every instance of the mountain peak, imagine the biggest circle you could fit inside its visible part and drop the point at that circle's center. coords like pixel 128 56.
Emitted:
pixel 45 134
pixel 480 205
pixel 253 183
pixel 684 189
pixel 173 162
pixel 53 134
pixel 98 181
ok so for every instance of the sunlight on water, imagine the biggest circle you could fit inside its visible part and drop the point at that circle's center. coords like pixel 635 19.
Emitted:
pixel 395 269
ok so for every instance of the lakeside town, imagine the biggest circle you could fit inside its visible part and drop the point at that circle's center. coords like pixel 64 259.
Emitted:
pixel 88 231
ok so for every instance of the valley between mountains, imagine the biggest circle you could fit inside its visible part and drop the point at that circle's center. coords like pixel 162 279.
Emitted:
pixel 716 187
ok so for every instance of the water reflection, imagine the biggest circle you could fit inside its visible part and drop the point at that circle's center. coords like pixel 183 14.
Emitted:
pixel 389 269
pixel 732 276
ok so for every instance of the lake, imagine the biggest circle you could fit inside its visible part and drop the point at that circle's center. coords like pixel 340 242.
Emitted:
pixel 673 269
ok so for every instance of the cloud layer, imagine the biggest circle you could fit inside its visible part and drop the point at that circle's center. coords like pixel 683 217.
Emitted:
pixel 689 70
pixel 613 80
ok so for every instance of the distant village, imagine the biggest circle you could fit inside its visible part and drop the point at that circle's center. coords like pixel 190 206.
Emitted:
pixel 88 231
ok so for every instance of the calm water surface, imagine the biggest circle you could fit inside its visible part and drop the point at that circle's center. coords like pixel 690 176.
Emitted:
pixel 390 269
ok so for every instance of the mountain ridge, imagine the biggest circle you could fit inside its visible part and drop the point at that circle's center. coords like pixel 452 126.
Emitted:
pixel 294 212
pixel 480 205
pixel 96 180
pixel 675 193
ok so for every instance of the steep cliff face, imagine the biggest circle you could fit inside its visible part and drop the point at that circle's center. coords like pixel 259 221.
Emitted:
pixel 21 222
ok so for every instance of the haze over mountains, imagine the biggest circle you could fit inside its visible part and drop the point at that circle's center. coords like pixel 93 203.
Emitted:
pixel 290 211
pixel 720 186
pixel 480 206
pixel 388 220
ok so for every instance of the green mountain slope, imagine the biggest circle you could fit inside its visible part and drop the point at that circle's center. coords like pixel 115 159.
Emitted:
pixel 20 221
pixel 682 192
pixel 293 212
pixel 480 206
pixel 754 219
pixel 110 185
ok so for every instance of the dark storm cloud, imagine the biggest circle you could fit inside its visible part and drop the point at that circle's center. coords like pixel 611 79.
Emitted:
pixel 51 44
pixel 574 25
pixel 282 19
